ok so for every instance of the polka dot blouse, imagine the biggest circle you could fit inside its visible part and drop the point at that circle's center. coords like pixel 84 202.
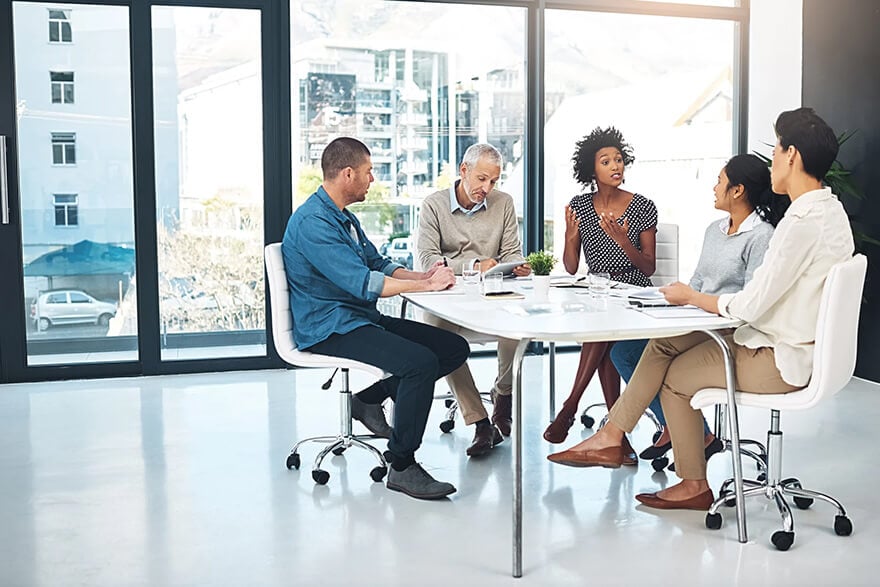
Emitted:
pixel 600 251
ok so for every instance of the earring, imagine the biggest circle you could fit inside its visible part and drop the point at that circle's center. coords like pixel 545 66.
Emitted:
pixel 593 186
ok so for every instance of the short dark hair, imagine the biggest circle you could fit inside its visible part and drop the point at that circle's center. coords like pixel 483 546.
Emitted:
pixel 811 136
pixel 341 153
pixel 754 175
pixel 584 158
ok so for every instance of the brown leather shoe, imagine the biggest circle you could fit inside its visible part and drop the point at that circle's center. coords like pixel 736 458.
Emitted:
pixel 557 431
pixel 486 436
pixel 502 413
pixel 701 502
pixel 610 457
pixel 629 454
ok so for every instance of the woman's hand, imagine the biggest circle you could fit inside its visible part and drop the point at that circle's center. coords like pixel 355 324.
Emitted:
pixel 571 224
pixel 678 293
pixel 617 232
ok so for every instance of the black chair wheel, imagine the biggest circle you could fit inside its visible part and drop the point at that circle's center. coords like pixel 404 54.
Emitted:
pixel 320 476
pixel 782 540
pixel 656 436
pixel 842 526
pixel 388 456
pixel 731 498
pixel 378 473
pixel 713 521
pixel 447 425
pixel 293 461
pixel 762 476
pixel 338 450
pixel 587 421
pixel 448 403
pixel 803 502
pixel 660 463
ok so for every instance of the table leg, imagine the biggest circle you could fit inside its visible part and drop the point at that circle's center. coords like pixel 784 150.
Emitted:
pixel 552 380
pixel 733 428
pixel 516 436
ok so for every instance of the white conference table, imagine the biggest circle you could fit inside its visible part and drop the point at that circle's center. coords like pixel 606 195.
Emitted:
pixel 569 315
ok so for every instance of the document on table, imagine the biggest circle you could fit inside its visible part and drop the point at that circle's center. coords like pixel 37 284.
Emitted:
pixel 455 291
pixel 674 312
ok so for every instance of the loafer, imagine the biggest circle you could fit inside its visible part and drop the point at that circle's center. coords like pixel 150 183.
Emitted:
pixel 502 413
pixel 610 457
pixel 486 436
pixel 701 502
pixel 629 455
pixel 418 483
pixel 557 430
pixel 372 416
pixel 655 451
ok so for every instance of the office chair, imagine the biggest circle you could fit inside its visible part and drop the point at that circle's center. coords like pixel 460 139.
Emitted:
pixel 834 359
pixel 282 335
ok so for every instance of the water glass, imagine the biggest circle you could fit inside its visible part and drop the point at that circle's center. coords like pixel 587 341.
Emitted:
pixel 493 283
pixel 471 280
pixel 600 284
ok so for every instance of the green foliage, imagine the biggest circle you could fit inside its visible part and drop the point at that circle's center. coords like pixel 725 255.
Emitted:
pixel 541 262
pixel 310 177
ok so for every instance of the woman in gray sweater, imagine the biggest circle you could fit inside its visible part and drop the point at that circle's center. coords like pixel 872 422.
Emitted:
pixel 732 249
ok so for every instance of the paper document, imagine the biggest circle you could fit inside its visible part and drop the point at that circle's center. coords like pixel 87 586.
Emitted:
pixel 675 312
pixel 455 291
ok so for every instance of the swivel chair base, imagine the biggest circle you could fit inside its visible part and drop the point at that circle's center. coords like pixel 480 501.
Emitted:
pixel 448 422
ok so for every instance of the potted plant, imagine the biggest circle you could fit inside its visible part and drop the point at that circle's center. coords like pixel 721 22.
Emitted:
pixel 542 264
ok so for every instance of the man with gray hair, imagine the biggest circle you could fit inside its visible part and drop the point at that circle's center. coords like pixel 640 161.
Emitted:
pixel 473 222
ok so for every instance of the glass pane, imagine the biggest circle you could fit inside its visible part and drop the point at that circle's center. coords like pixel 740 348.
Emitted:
pixel 672 103
pixel 729 3
pixel 209 178
pixel 417 100
pixel 95 257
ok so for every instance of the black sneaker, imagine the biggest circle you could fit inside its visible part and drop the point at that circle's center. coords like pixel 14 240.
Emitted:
pixel 372 416
pixel 416 482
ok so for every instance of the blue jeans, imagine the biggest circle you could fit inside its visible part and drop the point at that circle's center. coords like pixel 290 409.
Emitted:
pixel 625 355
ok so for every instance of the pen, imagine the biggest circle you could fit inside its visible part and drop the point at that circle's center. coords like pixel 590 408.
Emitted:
pixel 445 264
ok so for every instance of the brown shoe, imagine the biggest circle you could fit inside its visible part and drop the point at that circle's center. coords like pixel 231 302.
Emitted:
pixel 629 455
pixel 610 457
pixel 701 502
pixel 486 436
pixel 502 413
pixel 557 431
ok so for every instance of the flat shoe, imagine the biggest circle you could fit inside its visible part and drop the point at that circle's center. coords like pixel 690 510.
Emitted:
pixel 557 431
pixel 610 457
pixel 715 447
pixel 629 455
pixel 701 502
pixel 654 451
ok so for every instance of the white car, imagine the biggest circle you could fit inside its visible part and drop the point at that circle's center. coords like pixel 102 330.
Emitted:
pixel 70 306
pixel 401 251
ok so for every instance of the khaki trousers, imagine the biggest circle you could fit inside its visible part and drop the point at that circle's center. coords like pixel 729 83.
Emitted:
pixel 461 382
pixel 679 367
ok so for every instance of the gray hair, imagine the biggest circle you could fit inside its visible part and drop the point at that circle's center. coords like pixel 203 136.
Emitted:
pixel 476 152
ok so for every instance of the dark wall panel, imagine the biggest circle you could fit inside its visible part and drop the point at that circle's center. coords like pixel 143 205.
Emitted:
pixel 840 80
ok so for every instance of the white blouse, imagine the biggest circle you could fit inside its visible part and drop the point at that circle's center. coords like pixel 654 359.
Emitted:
pixel 780 305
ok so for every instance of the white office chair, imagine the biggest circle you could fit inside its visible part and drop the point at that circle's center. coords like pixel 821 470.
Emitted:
pixel 666 271
pixel 282 334
pixel 834 359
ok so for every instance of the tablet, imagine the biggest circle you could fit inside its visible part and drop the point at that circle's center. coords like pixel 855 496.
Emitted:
pixel 506 269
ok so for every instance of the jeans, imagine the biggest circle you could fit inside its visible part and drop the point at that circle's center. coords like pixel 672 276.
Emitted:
pixel 625 355
pixel 416 355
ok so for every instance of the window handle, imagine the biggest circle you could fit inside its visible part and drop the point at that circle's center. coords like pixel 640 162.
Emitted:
pixel 4 183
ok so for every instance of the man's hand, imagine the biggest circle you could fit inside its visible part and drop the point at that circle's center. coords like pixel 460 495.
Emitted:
pixel 678 293
pixel 522 270
pixel 486 264
pixel 617 232
pixel 442 278
pixel 437 265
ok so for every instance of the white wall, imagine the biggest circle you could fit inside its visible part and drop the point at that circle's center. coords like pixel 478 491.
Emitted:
pixel 775 66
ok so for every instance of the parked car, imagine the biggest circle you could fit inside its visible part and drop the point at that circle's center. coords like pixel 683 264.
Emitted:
pixel 70 306
pixel 401 251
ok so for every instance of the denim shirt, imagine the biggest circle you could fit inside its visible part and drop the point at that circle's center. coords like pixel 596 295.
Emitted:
pixel 334 279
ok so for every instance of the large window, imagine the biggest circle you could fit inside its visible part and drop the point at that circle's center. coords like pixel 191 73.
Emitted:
pixel 667 84
pixel 418 100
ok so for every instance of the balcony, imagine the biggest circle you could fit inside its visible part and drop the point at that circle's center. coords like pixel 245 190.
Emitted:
pixel 413 119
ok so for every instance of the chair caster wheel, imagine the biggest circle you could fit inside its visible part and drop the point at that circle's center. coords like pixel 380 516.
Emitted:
pixel 803 502
pixel 660 463
pixel 378 473
pixel 842 526
pixel 293 461
pixel 587 421
pixel 338 450
pixel 448 403
pixel 713 521
pixel 388 456
pixel 782 540
pixel 762 476
pixel 730 500
pixel 320 476
pixel 447 425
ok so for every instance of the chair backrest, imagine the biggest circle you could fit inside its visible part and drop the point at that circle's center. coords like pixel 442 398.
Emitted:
pixel 667 255
pixel 834 356
pixel 279 302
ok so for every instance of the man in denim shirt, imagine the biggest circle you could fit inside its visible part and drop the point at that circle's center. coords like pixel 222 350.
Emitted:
pixel 335 276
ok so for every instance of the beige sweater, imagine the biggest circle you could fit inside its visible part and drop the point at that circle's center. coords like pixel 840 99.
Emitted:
pixel 489 232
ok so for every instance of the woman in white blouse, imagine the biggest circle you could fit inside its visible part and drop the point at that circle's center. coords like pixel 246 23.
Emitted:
pixel 779 307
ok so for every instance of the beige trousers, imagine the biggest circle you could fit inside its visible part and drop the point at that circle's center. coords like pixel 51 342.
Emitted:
pixel 461 382
pixel 679 367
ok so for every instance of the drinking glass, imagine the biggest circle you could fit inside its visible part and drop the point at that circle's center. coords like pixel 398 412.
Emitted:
pixel 493 283
pixel 600 284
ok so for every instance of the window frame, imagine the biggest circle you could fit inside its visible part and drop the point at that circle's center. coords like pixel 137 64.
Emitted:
pixel 70 208
pixel 68 149
pixel 58 23
pixel 62 86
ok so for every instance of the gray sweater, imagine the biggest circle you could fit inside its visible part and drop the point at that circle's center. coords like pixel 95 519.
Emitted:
pixel 727 262
pixel 488 232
